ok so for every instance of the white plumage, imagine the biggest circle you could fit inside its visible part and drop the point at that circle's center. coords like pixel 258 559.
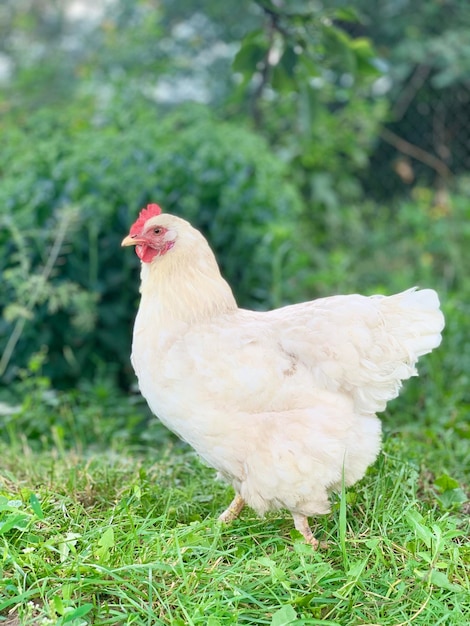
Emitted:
pixel 279 402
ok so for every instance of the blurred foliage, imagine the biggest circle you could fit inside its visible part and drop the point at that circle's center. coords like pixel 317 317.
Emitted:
pixel 415 32
pixel 298 76
pixel 306 83
pixel 260 121
pixel 55 54
pixel 107 163
pixel 37 413
pixel 425 51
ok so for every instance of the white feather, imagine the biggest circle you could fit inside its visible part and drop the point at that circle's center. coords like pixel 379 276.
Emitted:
pixel 278 402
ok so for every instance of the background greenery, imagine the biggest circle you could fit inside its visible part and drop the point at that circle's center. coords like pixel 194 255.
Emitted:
pixel 314 162
pixel 322 148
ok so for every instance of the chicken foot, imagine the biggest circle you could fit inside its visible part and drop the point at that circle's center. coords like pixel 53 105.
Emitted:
pixel 301 524
pixel 233 510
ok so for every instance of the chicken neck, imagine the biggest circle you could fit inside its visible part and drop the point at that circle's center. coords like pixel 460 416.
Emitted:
pixel 185 287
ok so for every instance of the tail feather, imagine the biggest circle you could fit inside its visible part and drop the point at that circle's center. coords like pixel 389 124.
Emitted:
pixel 412 326
pixel 421 320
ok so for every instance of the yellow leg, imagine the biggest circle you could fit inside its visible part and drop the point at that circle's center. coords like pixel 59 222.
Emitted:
pixel 234 509
pixel 301 523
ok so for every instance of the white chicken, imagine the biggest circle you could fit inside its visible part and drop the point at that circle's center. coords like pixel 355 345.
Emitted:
pixel 282 403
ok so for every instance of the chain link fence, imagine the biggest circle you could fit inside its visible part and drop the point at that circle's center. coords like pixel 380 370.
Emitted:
pixel 428 143
pixel 426 47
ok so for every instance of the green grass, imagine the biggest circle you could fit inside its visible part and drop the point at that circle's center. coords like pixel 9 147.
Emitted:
pixel 123 530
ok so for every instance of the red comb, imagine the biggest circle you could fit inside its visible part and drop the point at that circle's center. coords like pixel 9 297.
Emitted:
pixel 150 211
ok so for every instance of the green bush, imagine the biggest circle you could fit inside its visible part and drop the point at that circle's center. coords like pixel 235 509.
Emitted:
pixel 92 170
pixel 371 247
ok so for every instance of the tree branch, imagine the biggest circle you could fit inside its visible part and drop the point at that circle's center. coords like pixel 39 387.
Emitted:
pixel 416 153
pixel 410 90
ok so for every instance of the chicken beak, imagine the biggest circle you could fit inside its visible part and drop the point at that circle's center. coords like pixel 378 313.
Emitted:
pixel 132 240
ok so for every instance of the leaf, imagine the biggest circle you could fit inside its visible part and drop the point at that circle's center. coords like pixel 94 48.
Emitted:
pixel 338 46
pixel 283 616
pixel 253 49
pixel 450 492
pixel 105 543
pixel 36 506
pixel 58 605
pixel 107 540
pixel 439 579
pixel 8 505
pixel 281 81
pixel 80 611
pixel 289 60
pixel 19 522
pixel 416 522
pixel 451 498
pixel 14 311
pixel 367 64
pixel 356 568
pixel 346 14
pixel 446 483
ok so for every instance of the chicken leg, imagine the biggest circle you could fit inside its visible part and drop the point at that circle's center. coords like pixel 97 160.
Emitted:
pixel 301 524
pixel 233 510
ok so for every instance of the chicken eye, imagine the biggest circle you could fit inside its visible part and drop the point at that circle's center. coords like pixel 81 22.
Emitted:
pixel 157 231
